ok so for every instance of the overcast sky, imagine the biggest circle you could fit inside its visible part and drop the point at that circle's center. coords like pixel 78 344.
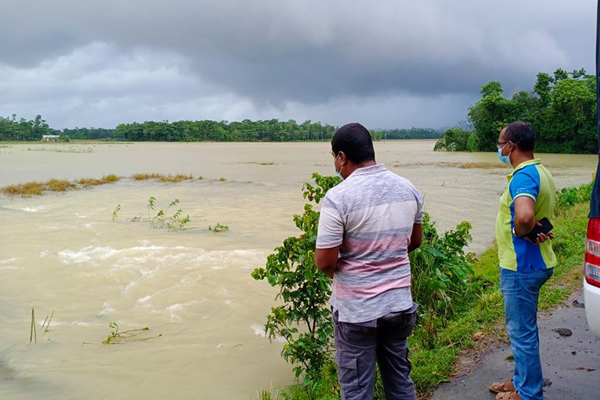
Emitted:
pixel 381 62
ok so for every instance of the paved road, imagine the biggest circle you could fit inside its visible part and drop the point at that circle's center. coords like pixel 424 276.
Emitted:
pixel 572 364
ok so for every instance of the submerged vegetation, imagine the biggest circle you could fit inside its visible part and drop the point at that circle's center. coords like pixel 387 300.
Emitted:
pixel 86 182
pixel 61 185
pixel 70 149
pixel 219 228
pixel 55 185
pixel 461 304
pixel 162 177
pixel 161 220
pixel 131 335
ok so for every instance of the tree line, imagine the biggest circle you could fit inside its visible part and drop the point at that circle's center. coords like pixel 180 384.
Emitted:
pixel 561 107
pixel 22 129
pixel 198 131
pixel 412 133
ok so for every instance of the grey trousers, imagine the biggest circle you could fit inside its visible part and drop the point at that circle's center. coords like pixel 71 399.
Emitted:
pixel 384 342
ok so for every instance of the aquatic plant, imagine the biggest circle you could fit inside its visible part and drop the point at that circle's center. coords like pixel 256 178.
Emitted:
pixel 106 179
pixel 219 228
pixel 115 213
pixel 175 178
pixel 132 335
pixel 162 218
pixel 162 178
pixel 59 185
pixel 24 189
pixel 47 322
pixel 33 330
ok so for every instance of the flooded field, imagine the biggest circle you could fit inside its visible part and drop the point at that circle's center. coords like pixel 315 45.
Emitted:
pixel 192 289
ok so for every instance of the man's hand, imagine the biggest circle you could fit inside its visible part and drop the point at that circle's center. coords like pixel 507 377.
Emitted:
pixel 541 237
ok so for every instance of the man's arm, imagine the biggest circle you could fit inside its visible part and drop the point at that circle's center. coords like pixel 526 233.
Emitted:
pixel 326 260
pixel 416 237
pixel 524 215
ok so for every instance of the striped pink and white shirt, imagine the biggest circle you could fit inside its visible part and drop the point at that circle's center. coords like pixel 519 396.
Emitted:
pixel 371 216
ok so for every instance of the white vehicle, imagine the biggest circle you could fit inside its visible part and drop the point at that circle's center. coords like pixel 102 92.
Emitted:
pixel 591 266
pixel 591 276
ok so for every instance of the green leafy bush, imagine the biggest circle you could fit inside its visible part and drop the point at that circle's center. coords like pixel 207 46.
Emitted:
pixel 441 276
pixel 303 319
pixel 568 197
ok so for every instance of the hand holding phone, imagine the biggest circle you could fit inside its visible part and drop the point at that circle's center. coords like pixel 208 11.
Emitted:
pixel 543 226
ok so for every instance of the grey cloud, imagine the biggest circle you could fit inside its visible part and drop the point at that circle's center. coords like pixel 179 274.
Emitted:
pixel 284 55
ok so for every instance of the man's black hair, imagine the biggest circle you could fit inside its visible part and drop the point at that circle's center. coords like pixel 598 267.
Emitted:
pixel 520 133
pixel 355 141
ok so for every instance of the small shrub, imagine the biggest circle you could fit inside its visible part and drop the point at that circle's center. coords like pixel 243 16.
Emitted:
pixel 175 178
pixel 568 197
pixel 59 185
pixel 87 182
pixel 162 218
pixel 24 189
pixel 111 178
pixel 303 317
pixel 144 177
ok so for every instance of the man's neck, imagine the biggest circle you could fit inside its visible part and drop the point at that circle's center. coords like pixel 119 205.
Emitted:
pixel 520 158
pixel 365 164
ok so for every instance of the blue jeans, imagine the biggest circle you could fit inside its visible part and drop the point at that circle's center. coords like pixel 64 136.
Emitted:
pixel 521 291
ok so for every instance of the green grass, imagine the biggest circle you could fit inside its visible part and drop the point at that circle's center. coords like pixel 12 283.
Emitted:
pixel 480 321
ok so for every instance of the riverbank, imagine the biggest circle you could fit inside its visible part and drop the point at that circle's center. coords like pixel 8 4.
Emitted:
pixel 478 324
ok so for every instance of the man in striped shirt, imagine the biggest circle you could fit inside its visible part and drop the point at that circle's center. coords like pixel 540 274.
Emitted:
pixel 368 225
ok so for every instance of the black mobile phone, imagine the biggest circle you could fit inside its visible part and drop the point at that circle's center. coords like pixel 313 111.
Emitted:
pixel 545 229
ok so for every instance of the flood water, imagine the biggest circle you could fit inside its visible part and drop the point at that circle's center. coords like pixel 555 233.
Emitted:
pixel 63 252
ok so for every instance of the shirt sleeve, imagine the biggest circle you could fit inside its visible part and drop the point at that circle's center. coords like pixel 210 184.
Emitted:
pixel 524 184
pixel 331 226
pixel 420 206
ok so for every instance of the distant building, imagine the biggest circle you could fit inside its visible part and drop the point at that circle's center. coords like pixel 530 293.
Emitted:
pixel 50 138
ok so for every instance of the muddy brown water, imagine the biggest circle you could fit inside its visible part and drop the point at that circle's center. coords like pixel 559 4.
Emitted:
pixel 63 252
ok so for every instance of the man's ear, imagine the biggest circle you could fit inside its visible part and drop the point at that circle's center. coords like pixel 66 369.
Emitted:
pixel 343 158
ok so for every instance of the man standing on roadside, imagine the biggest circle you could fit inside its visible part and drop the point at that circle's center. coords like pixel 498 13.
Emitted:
pixel 369 223
pixel 524 265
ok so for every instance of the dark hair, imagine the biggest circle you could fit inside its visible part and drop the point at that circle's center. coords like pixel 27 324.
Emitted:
pixel 520 133
pixel 355 141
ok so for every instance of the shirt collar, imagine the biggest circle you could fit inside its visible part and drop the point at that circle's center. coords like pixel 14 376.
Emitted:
pixel 524 164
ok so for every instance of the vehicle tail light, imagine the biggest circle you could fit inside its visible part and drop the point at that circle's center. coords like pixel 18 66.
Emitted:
pixel 591 268
pixel 592 274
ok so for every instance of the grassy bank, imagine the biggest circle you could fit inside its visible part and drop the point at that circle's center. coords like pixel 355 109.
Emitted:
pixel 437 343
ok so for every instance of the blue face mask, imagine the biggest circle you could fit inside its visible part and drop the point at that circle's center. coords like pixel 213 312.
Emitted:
pixel 504 159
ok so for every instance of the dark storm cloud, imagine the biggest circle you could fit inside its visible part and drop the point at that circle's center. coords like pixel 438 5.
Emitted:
pixel 287 54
